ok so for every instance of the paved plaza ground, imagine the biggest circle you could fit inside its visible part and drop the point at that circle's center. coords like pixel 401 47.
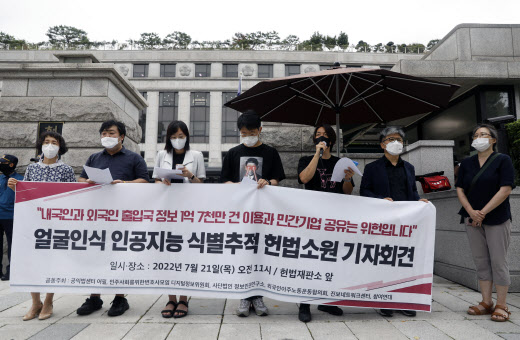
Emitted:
pixel 215 319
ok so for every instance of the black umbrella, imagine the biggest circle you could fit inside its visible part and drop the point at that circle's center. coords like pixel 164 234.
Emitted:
pixel 343 96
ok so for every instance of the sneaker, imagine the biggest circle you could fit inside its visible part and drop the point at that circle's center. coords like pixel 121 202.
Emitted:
pixel 386 312
pixel 91 304
pixel 119 306
pixel 333 310
pixel 259 306
pixel 304 315
pixel 243 308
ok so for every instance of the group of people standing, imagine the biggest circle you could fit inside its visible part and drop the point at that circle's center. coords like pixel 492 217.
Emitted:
pixel 485 202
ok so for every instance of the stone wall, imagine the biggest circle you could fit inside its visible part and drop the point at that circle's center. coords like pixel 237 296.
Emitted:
pixel 79 95
pixel 453 258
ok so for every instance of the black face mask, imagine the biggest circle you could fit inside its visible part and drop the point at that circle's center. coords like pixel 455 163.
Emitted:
pixel 6 169
pixel 322 139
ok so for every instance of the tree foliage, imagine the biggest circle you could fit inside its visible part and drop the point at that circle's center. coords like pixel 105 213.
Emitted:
pixel 149 41
pixel 176 40
pixel 67 37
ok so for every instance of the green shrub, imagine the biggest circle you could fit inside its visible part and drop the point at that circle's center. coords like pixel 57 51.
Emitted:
pixel 513 132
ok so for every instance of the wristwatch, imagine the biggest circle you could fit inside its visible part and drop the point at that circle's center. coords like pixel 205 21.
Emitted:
pixel 268 181
pixel 192 177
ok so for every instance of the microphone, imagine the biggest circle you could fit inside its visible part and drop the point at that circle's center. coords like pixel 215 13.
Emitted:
pixel 321 153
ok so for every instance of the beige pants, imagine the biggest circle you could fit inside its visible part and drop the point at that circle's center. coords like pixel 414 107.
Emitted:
pixel 489 245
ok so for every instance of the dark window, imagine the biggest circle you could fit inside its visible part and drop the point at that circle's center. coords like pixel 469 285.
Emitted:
pixel 168 106
pixel 496 101
pixel 140 70
pixel 168 70
pixel 142 118
pixel 202 70
pixel 230 132
pixel 353 66
pixel 291 70
pixel 199 117
pixel 265 70
pixel 230 70
pixel 386 67
pixel 205 155
pixel 454 123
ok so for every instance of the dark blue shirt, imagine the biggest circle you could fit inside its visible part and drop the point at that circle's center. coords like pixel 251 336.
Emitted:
pixel 498 174
pixel 7 196
pixel 124 165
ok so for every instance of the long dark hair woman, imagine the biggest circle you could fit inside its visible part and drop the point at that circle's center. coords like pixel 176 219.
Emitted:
pixel 177 155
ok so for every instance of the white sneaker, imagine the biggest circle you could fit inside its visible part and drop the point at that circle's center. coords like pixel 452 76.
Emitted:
pixel 260 308
pixel 243 308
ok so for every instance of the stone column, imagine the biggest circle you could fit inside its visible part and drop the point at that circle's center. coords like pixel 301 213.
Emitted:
pixel 154 70
pixel 216 70
pixel 184 107
pixel 517 101
pixel 431 156
pixel 278 70
pixel 215 129
pixel 152 118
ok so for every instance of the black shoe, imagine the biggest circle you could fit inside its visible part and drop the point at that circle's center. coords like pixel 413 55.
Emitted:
pixel 5 277
pixel 386 312
pixel 91 305
pixel 304 315
pixel 334 310
pixel 119 306
pixel 410 313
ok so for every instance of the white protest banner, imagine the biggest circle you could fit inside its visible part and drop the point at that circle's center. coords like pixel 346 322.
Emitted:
pixel 223 240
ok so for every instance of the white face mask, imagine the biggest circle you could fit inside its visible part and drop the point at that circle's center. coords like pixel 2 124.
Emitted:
pixel 109 142
pixel 249 141
pixel 481 144
pixel 50 151
pixel 178 143
pixel 394 148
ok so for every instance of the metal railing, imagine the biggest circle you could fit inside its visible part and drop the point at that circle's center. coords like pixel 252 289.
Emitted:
pixel 214 46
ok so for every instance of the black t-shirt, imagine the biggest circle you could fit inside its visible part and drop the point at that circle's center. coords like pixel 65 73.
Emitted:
pixel 498 174
pixel 259 162
pixel 397 180
pixel 177 159
pixel 322 177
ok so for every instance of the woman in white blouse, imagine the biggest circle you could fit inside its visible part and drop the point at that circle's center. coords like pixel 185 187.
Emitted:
pixel 177 155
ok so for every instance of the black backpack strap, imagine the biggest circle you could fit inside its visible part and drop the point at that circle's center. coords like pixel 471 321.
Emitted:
pixel 481 171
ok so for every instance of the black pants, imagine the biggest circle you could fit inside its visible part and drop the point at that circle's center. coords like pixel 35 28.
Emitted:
pixel 7 227
pixel 251 298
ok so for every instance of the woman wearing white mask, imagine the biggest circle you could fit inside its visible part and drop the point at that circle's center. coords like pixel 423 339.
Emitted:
pixel 50 168
pixel 178 156
pixel 484 184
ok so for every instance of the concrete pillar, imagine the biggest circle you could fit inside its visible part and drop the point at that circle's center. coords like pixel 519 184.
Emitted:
pixel 278 70
pixel 216 70
pixel 154 70
pixel 184 107
pixel 431 156
pixel 152 117
pixel 215 129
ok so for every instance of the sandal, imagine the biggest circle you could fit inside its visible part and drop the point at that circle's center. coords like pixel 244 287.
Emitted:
pixel 477 311
pixel 505 317
pixel 168 313
pixel 183 313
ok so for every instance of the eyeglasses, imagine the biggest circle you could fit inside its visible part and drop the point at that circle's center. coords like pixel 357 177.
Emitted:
pixel 481 135
pixel 393 139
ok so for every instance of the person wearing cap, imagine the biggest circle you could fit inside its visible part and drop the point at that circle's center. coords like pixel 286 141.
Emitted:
pixel 7 168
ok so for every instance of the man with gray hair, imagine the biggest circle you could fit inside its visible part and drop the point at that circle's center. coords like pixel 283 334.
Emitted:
pixel 391 178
